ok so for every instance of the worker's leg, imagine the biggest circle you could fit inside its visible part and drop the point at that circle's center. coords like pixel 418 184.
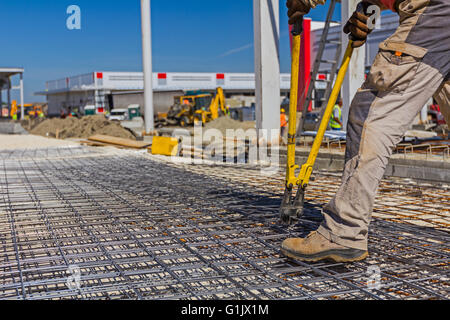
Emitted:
pixel 379 116
pixel 377 123
pixel 407 72
pixel 409 69
pixel 442 97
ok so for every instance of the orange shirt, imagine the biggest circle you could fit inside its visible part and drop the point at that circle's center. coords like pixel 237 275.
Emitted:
pixel 283 120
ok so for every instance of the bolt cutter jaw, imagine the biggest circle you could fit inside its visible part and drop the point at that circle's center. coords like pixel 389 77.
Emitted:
pixel 292 206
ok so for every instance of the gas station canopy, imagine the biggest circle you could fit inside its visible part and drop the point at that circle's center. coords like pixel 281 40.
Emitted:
pixel 5 84
pixel 6 73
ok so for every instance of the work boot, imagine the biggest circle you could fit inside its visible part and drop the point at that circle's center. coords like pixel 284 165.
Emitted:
pixel 316 247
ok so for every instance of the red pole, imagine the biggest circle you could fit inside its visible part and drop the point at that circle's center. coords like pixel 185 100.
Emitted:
pixel 305 63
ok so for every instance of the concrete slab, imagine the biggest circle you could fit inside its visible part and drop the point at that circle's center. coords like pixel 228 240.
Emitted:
pixel 11 128
pixel 16 142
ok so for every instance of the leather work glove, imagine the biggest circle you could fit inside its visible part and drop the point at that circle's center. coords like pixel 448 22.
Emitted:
pixel 297 9
pixel 358 28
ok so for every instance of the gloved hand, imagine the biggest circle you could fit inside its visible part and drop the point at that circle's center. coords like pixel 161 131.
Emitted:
pixel 358 28
pixel 297 9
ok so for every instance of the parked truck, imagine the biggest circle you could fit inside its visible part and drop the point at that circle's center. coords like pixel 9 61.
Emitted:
pixel 124 114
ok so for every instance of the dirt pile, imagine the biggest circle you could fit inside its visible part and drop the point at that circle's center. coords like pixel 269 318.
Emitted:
pixel 81 128
pixel 31 123
pixel 224 123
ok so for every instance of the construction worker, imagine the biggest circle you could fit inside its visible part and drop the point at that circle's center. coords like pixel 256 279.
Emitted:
pixel 336 117
pixel 283 121
pixel 412 66
pixel 283 125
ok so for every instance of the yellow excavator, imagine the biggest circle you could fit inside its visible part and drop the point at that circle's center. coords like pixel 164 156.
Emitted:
pixel 30 110
pixel 14 110
pixel 195 107
pixel 37 111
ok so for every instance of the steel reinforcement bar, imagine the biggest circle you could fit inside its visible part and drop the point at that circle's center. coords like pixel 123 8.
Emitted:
pixel 77 224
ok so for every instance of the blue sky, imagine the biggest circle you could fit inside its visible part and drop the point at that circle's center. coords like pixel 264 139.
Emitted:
pixel 188 36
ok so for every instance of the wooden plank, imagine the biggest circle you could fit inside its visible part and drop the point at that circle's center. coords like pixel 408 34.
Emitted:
pixel 95 144
pixel 120 142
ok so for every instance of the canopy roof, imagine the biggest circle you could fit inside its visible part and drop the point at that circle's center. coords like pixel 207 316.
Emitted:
pixel 9 72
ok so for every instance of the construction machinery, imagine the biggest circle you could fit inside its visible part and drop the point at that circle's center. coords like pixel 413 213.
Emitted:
pixel 293 201
pixel 14 110
pixel 34 111
pixel 195 107
pixel 30 110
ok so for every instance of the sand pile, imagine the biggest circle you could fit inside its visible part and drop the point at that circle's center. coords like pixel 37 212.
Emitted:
pixel 81 128
pixel 31 123
pixel 224 123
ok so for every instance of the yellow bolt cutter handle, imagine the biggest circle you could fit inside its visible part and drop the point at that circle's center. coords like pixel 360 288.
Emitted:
pixel 292 206
pixel 306 170
pixel 291 179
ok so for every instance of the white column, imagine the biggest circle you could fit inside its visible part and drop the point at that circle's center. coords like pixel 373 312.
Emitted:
pixel 22 111
pixel 355 75
pixel 424 114
pixel 96 101
pixel 8 94
pixel 147 65
pixel 267 63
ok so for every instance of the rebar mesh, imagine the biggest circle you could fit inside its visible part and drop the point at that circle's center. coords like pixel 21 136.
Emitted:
pixel 140 227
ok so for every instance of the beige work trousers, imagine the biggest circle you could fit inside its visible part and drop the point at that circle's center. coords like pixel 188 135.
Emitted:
pixel 412 66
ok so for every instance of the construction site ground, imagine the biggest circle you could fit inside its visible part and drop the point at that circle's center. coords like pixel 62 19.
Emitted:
pixel 128 225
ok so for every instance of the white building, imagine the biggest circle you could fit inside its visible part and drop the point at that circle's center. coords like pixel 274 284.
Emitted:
pixel 98 88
